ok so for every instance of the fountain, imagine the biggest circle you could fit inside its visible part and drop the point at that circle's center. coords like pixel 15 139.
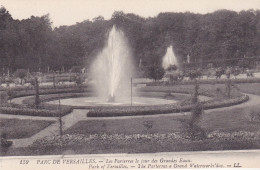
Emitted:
pixel 169 58
pixel 111 73
pixel 113 68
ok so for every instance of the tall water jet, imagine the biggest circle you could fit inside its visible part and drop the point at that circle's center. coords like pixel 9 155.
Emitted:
pixel 169 58
pixel 112 69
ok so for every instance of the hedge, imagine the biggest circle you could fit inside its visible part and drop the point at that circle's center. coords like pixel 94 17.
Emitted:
pixel 35 112
pixel 29 109
pixel 51 91
pixel 26 88
pixel 45 110
pixel 203 81
pixel 172 89
pixel 46 98
pixel 162 109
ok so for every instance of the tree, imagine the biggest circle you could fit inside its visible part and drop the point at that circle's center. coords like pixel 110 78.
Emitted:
pixel 32 43
pixel 37 97
pixel 79 79
pixel 244 63
pixel 3 98
pixel 195 95
pixel 155 72
pixel 11 94
pixel 228 87
pixel 75 69
pixel 173 76
pixel 196 132
pixel 172 68
pixel 20 73
pixel 4 142
pixel 54 80
pixel 99 18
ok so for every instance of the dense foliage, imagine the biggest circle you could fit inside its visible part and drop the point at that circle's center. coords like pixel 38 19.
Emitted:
pixel 33 44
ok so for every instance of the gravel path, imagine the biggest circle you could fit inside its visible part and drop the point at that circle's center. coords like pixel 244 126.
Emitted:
pixel 19 100
pixel 67 121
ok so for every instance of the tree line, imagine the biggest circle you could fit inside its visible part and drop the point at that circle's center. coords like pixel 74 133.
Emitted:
pixel 33 44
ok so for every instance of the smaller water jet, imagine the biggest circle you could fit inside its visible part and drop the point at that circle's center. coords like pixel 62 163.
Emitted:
pixel 169 58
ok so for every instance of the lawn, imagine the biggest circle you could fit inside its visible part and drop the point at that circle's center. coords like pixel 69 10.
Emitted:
pixel 253 88
pixel 235 122
pixel 231 120
pixel 126 126
pixel 16 128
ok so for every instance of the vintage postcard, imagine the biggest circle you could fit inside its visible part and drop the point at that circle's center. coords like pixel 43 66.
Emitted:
pixel 148 84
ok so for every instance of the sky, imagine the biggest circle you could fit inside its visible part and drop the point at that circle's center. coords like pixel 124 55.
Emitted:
pixel 69 12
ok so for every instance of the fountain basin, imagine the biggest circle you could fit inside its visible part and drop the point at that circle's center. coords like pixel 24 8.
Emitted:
pixel 121 101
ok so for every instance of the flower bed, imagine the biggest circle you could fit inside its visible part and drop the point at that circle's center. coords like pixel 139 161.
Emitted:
pixel 117 139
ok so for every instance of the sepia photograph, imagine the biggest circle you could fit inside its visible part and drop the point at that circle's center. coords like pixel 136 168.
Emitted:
pixel 148 84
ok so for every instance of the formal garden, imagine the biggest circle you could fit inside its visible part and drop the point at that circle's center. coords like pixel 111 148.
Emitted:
pixel 168 83
pixel 209 114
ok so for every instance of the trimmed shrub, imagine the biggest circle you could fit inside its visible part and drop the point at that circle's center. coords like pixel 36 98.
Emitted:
pixel 4 142
pixel 3 98
pixel 11 94
pixel 50 97
pixel 35 112
pixel 20 73
pixel 37 98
